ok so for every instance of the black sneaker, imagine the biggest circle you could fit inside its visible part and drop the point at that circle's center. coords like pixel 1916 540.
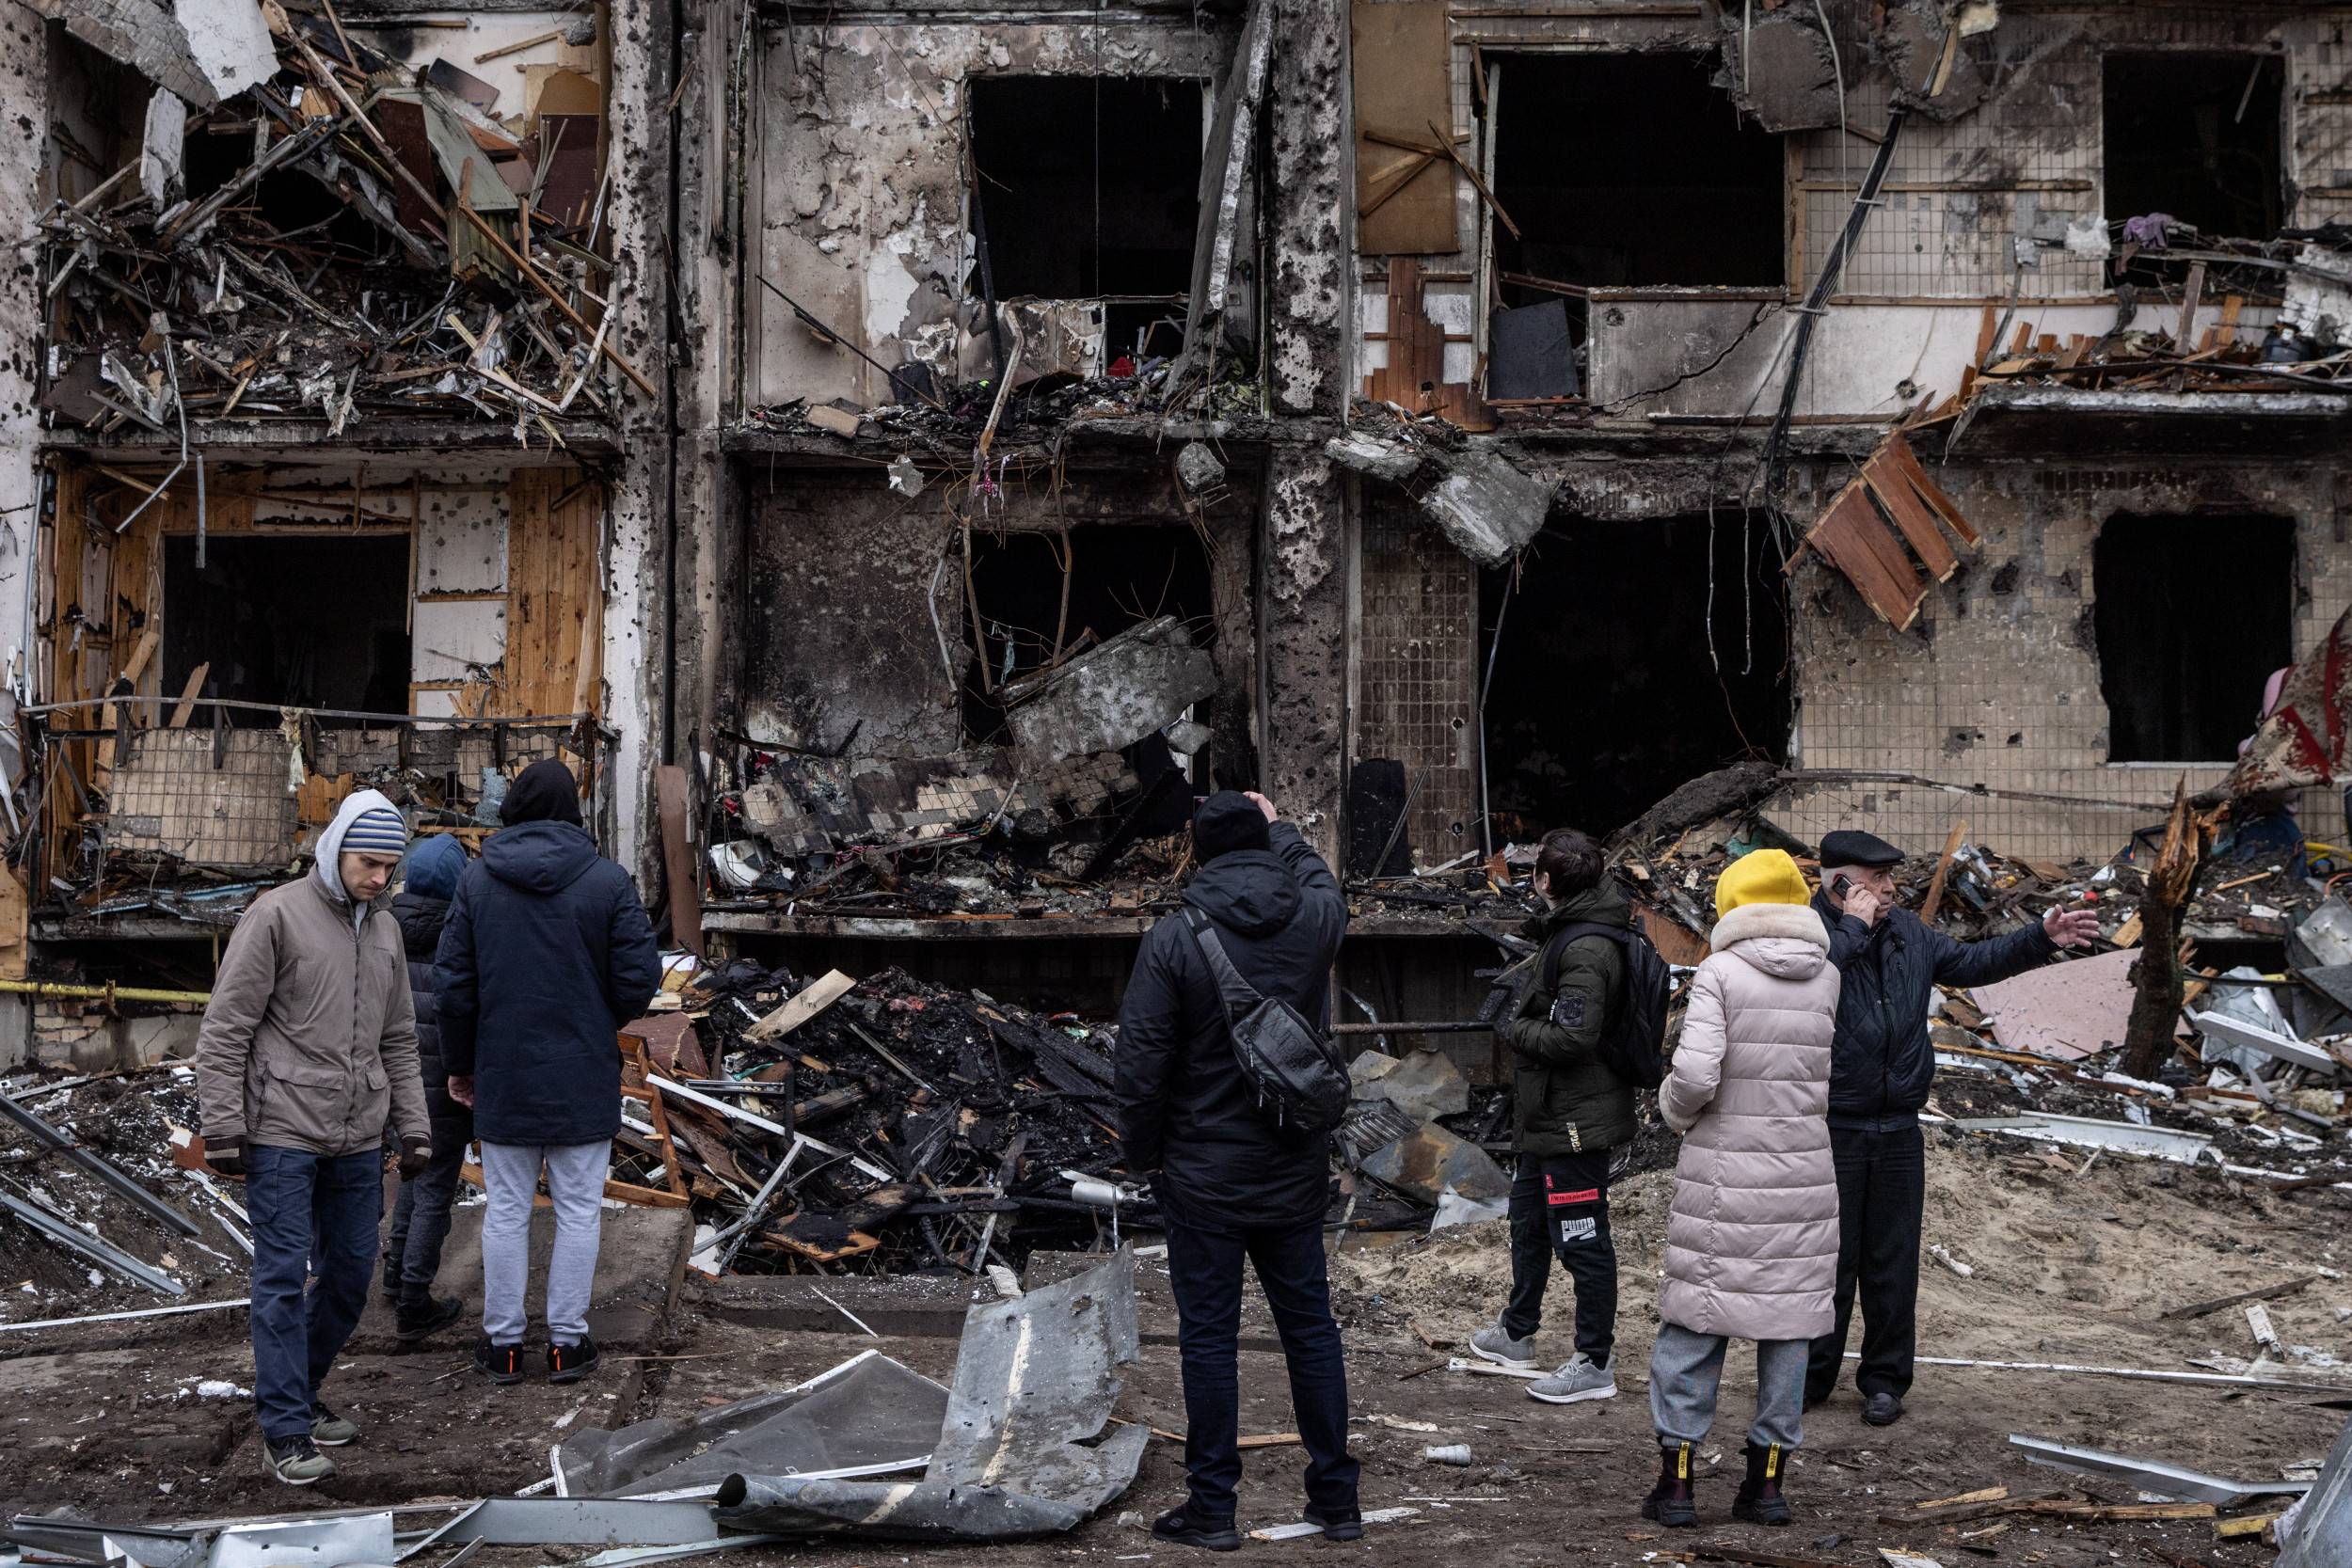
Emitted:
pixel 1340 1524
pixel 499 1363
pixel 1883 1409
pixel 410 1323
pixel 297 1461
pixel 391 1280
pixel 570 1363
pixel 1186 1528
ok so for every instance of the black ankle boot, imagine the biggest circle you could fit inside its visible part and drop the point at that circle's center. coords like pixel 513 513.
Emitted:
pixel 1674 1501
pixel 1759 1500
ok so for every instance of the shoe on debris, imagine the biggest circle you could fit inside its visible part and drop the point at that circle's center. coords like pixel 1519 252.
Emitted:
pixel 1339 1524
pixel 570 1363
pixel 1758 1501
pixel 411 1323
pixel 1577 1379
pixel 1673 1501
pixel 500 1363
pixel 1882 1410
pixel 1497 1345
pixel 296 1460
pixel 328 1430
pixel 1184 1527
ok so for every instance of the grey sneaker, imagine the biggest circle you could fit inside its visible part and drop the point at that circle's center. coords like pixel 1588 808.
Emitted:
pixel 328 1430
pixel 1579 1379
pixel 1497 1345
pixel 297 1461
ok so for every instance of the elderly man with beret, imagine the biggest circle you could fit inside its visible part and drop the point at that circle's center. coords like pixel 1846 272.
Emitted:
pixel 1881 1065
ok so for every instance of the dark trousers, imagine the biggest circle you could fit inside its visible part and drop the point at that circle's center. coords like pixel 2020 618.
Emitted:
pixel 1882 1193
pixel 1560 1206
pixel 421 1214
pixel 1204 1268
pixel 312 1213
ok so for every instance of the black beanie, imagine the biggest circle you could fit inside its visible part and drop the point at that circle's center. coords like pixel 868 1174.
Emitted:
pixel 542 792
pixel 1227 821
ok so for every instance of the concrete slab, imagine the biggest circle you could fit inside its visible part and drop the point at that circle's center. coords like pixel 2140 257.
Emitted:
pixel 923 1306
pixel 2067 1011
pixel 641 1259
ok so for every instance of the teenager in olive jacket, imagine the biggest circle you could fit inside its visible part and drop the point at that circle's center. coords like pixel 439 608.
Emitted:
pixel 1570 1112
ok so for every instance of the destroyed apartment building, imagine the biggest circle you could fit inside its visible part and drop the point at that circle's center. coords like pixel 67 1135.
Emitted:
pixel 901 455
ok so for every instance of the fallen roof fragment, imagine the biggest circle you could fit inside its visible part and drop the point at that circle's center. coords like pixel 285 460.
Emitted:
pixel 1033 1386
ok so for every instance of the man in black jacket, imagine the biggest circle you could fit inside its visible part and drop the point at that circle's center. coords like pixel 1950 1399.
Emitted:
pixel 1880 1066
pixel 1229 1182
pixel 412 1253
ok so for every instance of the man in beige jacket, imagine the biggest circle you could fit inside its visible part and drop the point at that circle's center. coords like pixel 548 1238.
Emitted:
pixel 309 1047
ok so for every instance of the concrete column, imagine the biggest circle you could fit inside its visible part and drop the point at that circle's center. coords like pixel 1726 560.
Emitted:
pixel 1302 617
pixel 1302 580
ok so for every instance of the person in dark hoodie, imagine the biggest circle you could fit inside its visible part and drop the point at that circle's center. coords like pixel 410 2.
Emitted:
pixel 546 953
pixel 1230 1184
pixel 1571 1113
pixel 412 1253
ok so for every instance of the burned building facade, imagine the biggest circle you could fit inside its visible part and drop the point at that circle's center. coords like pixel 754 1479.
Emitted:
pixel 946 437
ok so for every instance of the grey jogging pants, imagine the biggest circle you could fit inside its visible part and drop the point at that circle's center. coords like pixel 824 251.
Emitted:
pixel 1686 1373
pixel 576 1186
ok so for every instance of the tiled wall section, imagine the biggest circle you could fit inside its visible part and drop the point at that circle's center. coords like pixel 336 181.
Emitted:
pixel 1996 683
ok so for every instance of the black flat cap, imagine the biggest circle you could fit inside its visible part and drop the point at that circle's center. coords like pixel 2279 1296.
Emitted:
pixel 1848 847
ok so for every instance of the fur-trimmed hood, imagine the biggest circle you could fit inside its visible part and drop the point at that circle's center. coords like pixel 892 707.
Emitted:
pixel 1785 940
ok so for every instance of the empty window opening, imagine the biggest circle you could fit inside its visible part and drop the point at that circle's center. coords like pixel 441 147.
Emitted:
pixel 2197 137
pixel 2192 615
pixel 306 623
pixel 1631 169
pixel 1088 186
pixel 1120 575
pixel 1604 696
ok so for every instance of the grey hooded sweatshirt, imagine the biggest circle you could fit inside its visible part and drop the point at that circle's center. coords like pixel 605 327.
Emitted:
pixel 311 1038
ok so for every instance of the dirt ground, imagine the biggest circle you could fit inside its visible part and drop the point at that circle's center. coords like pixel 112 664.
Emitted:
pixel 106 1419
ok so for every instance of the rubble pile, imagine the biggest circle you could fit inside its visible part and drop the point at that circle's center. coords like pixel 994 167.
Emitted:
pixel 911 1126
pixel 387 247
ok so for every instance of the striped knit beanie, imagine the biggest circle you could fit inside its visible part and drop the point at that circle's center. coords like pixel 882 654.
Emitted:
pixel 377 830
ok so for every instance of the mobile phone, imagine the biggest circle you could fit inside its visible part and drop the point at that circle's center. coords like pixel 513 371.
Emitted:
pixel 1842 884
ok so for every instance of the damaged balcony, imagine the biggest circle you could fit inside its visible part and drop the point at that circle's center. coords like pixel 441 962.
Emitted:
pixel 306 238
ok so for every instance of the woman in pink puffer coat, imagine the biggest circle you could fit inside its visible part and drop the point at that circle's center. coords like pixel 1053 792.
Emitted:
pixel 1751 1245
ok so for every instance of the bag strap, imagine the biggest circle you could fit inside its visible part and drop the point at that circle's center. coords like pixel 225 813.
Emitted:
pixel 1568 933
pixel 1234 994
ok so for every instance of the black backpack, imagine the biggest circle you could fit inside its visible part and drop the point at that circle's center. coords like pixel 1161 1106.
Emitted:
pixel 1635 1047
pixel 1299 1074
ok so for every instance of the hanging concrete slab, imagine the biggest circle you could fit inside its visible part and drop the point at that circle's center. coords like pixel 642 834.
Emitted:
pixel 1141 679
pixel 1779 67
pixel 1487 507
pixel 142 35
pixel 230 42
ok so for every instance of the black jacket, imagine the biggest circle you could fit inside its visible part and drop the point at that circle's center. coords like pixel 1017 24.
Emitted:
pixel 1186 1112
pixel 421 922
pixel 546 954
pixel 1881 1061
pixel 1566 1100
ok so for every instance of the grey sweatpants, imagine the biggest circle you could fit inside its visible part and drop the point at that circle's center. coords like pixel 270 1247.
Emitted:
pixel 575 1187
pixel 1686 1371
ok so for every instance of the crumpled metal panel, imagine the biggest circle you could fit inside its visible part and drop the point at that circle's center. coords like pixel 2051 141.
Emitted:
pixel 2323 1526
pixel 1033 1383
pixel 867 1413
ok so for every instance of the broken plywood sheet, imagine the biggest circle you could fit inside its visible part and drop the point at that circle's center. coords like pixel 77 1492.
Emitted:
pixel 1853 537
pixel 169 799
pixel 2067 1010
pixel 1401 57
pixel 142 35
pixel 454 638
pixel 810 805
pixel 1131 686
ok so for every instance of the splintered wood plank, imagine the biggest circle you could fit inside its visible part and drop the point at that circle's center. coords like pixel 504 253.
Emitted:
pixel 189 693
pixel 1851 538
pixel 673 799
pixel 1900 450
pixel 1892 489
pixel 528 525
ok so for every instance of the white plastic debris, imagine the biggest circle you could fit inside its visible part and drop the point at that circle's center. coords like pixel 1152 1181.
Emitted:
pixel 1449 1453
pixel 221 1389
